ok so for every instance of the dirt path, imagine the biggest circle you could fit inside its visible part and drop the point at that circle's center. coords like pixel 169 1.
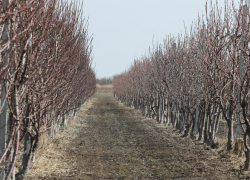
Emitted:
pixel 110 141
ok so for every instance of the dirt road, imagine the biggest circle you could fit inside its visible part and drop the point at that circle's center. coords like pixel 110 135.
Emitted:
pixel 110 141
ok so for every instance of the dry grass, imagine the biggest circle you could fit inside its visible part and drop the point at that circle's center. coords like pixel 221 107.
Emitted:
pixel 103 126
pixel 55 153
pixel 104 88
pixel 52 156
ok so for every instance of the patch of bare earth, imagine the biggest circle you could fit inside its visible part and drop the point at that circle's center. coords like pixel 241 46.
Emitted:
pixel 110 141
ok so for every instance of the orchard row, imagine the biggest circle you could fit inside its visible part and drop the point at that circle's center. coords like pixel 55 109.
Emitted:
pixel 194 80
pixel 45 73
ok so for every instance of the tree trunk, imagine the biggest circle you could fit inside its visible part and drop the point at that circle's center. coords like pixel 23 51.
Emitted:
pixel 182 122
pixel 214 121
pixel 177 120
pixel 167 115
pixel 159 114
pixel 247 153
pixel 150 111
pixel 188 124
pixel 192 133
pixel 23 171
pixel 246 164
pixel 174 116
pixel 206 126
pixel 201 125
pixel 230 135
pixel 64 122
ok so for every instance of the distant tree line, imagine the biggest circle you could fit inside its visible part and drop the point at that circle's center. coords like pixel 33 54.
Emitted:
pixel 104 81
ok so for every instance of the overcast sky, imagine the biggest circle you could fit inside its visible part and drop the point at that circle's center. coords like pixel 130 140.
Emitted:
pixel 124 29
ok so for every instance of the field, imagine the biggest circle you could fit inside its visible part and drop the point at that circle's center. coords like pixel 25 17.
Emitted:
pixel 110 141
pixel 104 88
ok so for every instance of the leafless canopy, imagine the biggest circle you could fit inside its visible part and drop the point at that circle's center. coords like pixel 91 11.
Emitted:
pixel 45 67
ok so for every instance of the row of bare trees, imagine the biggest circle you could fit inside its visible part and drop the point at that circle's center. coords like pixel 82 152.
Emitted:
pixel 194 80
pixel 45 72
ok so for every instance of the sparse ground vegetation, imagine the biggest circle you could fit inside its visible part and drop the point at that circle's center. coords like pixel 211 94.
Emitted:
pixel 108 140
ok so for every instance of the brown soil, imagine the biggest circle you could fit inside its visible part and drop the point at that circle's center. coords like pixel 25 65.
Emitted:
pixel 110 141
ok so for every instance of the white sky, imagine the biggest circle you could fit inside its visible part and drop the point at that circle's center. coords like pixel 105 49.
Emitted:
pixel 124 29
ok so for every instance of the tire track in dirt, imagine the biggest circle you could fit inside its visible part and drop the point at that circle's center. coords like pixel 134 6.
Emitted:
pixel 112 141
